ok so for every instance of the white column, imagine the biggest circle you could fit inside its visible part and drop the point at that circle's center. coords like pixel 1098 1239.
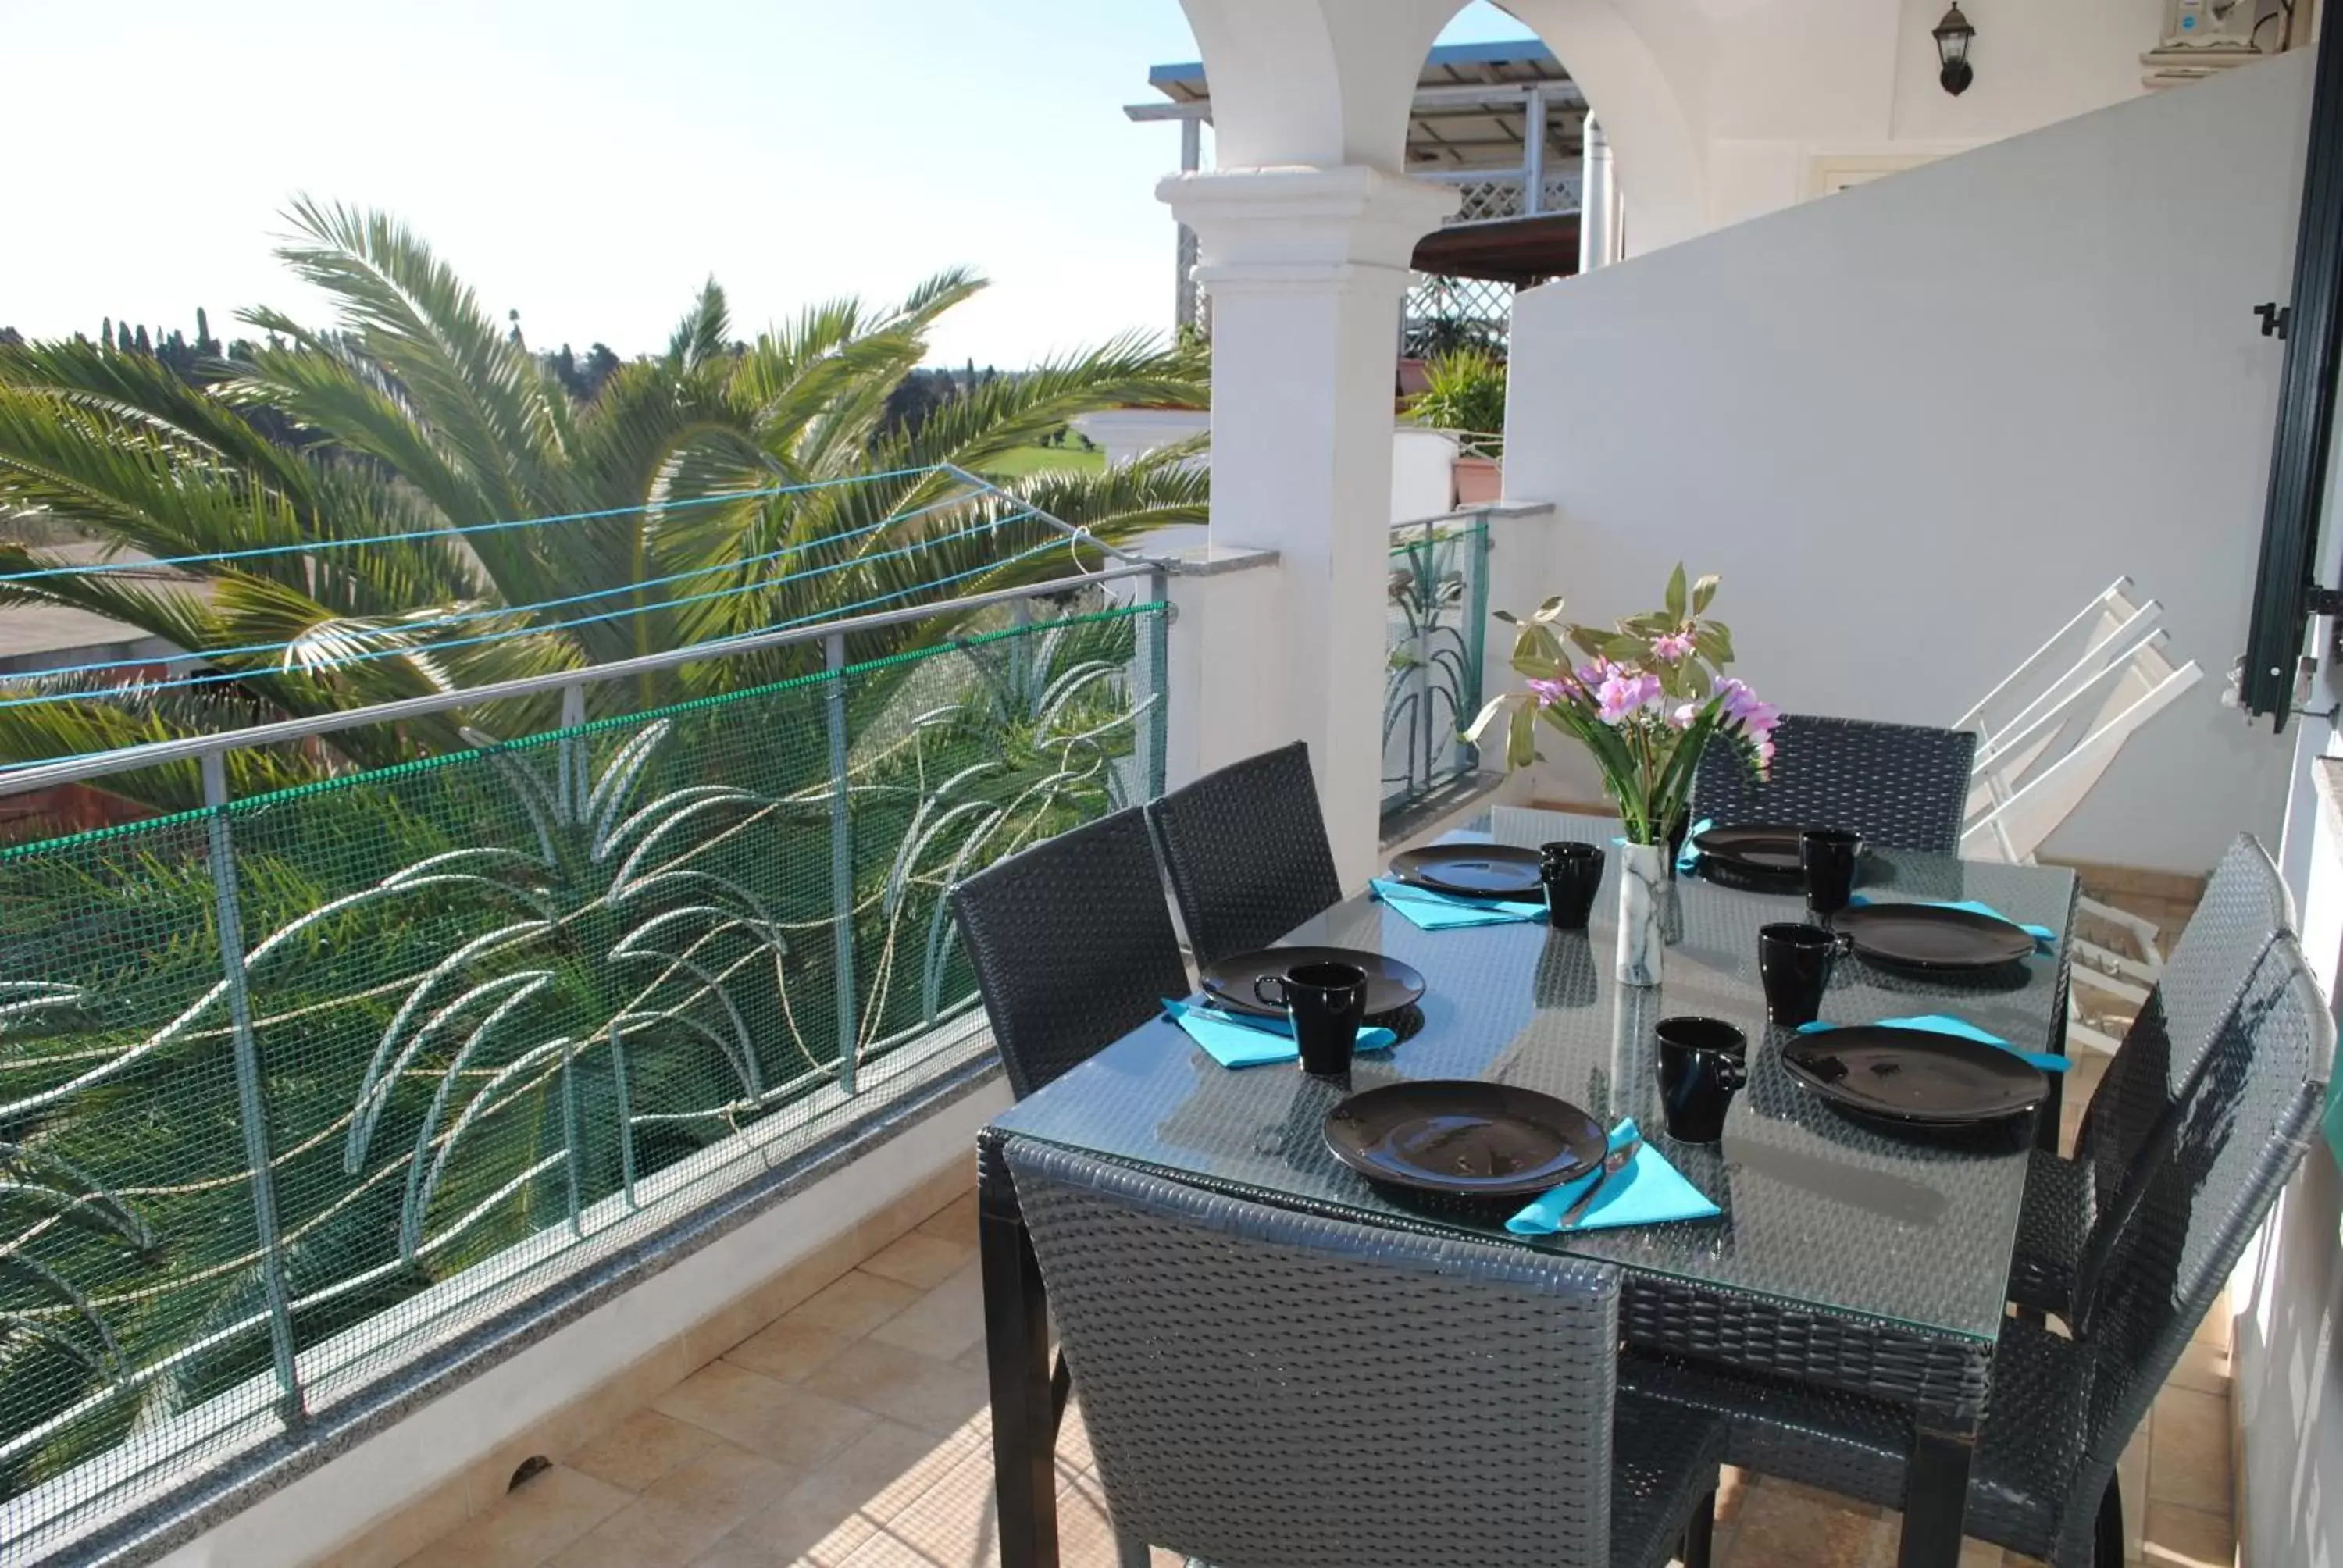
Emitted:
pixel 1598 208
pixel 1534 153
pixel 1183 299
pixel 1305 268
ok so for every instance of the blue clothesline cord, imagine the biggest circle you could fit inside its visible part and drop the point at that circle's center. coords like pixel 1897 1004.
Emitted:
pixel 223 677
pixel 460 616
pixel 312 546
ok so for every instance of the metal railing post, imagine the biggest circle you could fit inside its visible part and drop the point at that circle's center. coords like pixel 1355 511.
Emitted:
pixel 1476 642
pixel 1153 661
pixel 575 784
pixel 250 1110
pixel 842 860
pixel 1426 563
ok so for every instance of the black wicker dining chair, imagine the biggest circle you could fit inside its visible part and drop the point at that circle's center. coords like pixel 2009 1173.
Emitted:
pixel 1245 848
pixel 2069 1202
pixel 1901 786
pixel 1073 946
pixel 2043 1481
pixel 1264 1389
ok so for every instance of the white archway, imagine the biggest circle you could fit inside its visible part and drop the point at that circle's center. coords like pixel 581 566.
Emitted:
pixel 1639 64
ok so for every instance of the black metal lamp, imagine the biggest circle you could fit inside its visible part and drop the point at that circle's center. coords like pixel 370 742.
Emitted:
pixel 1953 34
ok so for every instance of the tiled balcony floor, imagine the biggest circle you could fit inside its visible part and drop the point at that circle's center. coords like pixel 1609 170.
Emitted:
pixel 852 1434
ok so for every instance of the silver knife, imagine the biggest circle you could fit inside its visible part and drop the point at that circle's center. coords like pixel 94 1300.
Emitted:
pixel 1615 1160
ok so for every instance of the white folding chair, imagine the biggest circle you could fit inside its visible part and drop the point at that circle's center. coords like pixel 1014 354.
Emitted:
pixel 2046 735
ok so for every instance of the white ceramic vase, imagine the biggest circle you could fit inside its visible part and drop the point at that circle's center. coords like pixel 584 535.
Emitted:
pixel 1643 887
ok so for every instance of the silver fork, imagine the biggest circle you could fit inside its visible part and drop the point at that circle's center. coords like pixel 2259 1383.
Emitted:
pixel 1613 1161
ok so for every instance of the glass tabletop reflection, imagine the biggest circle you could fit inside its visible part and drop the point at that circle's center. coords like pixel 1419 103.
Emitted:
pixel 1817 1210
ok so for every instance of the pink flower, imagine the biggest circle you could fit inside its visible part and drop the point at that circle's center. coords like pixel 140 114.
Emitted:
pixel 1754 718
pixel 1683 714
pixel 1674 647
pixel 1623 692
pixel 1552 693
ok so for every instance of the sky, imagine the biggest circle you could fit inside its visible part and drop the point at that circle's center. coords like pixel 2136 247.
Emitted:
pixel 589 162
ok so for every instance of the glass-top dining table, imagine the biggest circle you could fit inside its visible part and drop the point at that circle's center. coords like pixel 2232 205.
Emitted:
pixel 1844 1257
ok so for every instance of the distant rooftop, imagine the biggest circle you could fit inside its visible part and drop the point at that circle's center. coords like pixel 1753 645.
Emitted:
pixel 1468 107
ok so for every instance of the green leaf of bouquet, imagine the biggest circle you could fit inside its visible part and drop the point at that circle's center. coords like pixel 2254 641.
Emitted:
pixel 1702 591
pixel 1676 593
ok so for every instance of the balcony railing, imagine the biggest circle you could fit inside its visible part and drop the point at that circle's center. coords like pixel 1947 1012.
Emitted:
pixel 1501 195
pixel 299 1090
pixel 1437 612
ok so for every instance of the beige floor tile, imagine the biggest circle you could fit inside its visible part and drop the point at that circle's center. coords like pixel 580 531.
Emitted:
pixel 788 1350
pixel 2188 1538
pixel 922 1262
pixel 640 1450
pixel 786 1425
pixel 902 1385
pixel 2189 1451
pixel 1780 1526
pixel 645 1533
pixel 948 1525
pixel 2203 1367
pixel 528 1524
pixel 841 1505
pixel 946 1322
pixel 955 1221
pixel 854 1304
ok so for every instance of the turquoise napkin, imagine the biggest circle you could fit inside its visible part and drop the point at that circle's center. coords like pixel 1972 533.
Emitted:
pixel 1436 911
pixel 2044 937
pixel 1939 1023
pixel 1688 858
pixel 1647 1192
pixel 1233 1040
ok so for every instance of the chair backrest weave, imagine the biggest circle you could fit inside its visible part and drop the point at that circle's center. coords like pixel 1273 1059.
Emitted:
pixel 1073 946
pixel 1262 1387
pixel 1246 851
pixel 1901 786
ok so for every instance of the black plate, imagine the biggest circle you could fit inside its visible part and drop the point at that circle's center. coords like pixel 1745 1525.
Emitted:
pixel 1475 870
pixel 1390 984
pixel 1930 937
pixel 1464 1137
pixel 1767 850
pixel 1913 1077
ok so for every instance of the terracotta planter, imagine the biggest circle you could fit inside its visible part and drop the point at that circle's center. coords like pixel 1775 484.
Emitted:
pixel 1479 480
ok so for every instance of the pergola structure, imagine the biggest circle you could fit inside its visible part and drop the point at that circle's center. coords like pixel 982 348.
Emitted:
pixel 1502 123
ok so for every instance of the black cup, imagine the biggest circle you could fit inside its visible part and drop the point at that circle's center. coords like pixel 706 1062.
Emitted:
pixel 1794 963
pixel 1828 854
pixel 1324 1002
pixel 1571 872
pixel 1703 1060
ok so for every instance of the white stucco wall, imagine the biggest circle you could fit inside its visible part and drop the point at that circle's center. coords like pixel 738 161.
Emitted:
pixel 1917 426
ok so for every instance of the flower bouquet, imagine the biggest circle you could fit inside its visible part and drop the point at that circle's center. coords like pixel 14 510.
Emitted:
pixel 1650 697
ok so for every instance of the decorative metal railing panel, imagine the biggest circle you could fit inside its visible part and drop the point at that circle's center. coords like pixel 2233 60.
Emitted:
pixel 276 1070
pixel 1437 612
pixel 1448 314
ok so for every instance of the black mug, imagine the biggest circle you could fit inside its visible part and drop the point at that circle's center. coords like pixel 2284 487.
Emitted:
pixel 1571 872
pixel 1828 856
pixel 1794 963
pixel 1324 1002
pixel 1703 1060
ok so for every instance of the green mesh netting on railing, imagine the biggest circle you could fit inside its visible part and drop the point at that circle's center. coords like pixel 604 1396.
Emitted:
pixel 1436 614
pixel 482 1000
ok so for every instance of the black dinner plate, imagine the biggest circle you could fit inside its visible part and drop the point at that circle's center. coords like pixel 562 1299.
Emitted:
pixel 1767 850
pixel 1932 937
pixel 1390 984
pixel 1464 1137
pixel 1474 871
pixel 1913 1076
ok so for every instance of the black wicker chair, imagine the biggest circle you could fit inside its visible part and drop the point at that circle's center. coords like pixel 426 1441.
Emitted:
pixel 1901 786
pixel 2246 907
pixel 1246 851
pixel 2044 1479
pixel 1073 946
pixel 1264 1389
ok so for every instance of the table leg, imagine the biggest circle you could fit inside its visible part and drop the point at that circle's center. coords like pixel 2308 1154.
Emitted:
pixel 1935 1499
pixel 1017 1360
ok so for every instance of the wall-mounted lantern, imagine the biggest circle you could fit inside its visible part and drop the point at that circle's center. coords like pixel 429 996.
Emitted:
pixel 1953 34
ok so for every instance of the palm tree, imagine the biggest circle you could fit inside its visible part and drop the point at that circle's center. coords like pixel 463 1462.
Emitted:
pixel 715 489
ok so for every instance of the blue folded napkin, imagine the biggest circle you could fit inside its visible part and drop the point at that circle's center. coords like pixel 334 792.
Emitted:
pixel 1688 858
pixel 1940 1023
pixel 2044 937
pixel 1436 911
pixel 1234 1040
pixel 1647 1190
